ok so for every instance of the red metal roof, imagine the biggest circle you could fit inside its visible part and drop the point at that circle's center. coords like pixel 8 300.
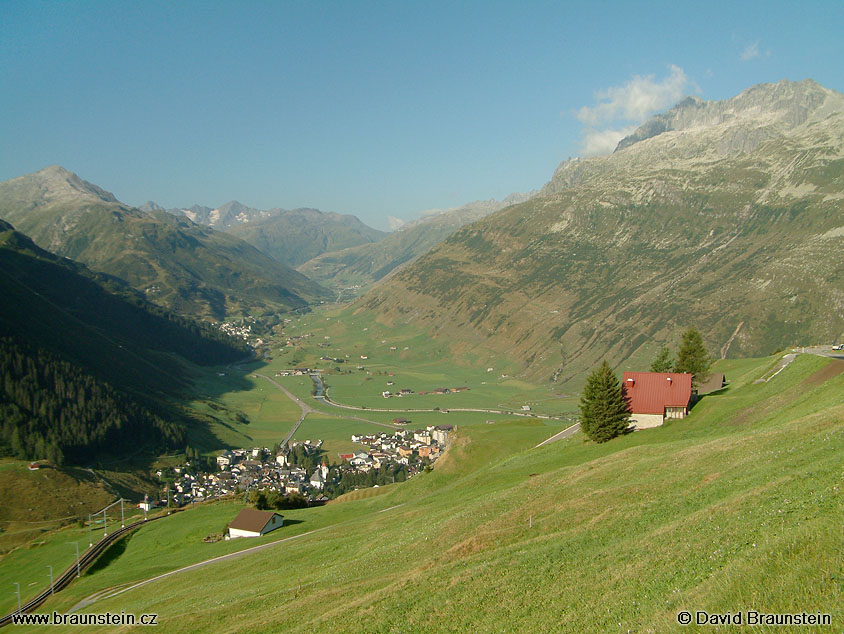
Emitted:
pixel 652 392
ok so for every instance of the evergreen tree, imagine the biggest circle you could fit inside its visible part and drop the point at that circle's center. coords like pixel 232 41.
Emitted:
pixel 692 357
pixel 261 501
pixel 663 361
pixel 603 405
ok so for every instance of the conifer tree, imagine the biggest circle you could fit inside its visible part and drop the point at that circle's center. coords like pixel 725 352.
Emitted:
pixel 603 405
pixel 663 361
pixel 692 357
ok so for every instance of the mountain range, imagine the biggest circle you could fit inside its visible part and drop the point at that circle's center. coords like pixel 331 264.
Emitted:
pixel 290 236
pixel 183 266
pixel 725 215
pixel 366 264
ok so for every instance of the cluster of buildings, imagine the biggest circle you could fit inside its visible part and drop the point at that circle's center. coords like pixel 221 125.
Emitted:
pixel 408 392
pixel 233 329
pixel 259 469
pixel 400 447
pixel 242 469
pixel 292 340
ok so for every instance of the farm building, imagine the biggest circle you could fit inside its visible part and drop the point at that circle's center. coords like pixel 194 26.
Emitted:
pixel 655 396
pixel 254 523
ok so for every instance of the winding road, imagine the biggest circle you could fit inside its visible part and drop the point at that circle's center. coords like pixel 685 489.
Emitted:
pixel 307 409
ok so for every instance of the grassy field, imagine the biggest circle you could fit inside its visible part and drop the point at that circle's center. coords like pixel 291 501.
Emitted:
pixel 35 502
pixel 736 507
pixel 244 410
pixel 39 543
pixel 335 433
pixel 410 359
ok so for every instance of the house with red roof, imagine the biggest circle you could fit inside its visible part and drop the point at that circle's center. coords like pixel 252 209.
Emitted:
pixel 657 396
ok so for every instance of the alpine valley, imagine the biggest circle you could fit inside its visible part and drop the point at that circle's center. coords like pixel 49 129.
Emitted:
pixel 305 424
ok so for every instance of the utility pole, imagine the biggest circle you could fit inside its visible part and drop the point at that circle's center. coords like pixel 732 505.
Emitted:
pixel 105 523
pixel 122 523
pixel 168 498
pixel 18 592
pixel 77 557
pixel 51 578
pixel 90 528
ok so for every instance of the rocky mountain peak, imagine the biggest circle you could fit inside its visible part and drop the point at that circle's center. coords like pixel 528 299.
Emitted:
pixel 151 205
pixel 55 184
pixel 782 106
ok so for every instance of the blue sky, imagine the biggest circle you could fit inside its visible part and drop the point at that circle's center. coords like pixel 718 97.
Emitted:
pixel 372 108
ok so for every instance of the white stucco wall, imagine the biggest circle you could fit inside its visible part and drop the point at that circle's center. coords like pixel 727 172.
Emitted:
pixel 236 532
pixel 644 421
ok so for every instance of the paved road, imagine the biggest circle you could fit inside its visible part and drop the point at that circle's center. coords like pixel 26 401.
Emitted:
pixel 566 433
pixel 821 351
pixel 779 367
pixel 113 592
pixel 306 409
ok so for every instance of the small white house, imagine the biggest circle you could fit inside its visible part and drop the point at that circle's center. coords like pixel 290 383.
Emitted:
pixel 254 523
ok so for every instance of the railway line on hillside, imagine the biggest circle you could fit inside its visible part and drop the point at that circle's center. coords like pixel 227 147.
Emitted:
pixel 85 561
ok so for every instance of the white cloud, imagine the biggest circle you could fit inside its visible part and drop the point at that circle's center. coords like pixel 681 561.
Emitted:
pixel 598 142
pixel 750 51
pixel 637 99
pixel 620 109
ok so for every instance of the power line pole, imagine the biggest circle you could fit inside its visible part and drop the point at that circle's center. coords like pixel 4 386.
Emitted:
pixel 51 578
pixel 122 523
pixel 77 557
pixel 90 528
pixel 18 592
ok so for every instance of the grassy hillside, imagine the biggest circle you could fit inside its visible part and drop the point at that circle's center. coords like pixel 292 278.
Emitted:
pixel 734 227
pixel 736 507
pixel 63 496
pixel 360 266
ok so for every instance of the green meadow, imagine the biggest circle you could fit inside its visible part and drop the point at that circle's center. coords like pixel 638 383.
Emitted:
pixel 736 507
pixel 27 564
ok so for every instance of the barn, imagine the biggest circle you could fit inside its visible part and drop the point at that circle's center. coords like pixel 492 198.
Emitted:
pixel 254 523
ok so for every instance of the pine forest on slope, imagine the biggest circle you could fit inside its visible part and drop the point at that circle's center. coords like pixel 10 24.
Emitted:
pixel 89 365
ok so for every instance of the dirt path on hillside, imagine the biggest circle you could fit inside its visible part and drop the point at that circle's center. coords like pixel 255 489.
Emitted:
pixel 826 373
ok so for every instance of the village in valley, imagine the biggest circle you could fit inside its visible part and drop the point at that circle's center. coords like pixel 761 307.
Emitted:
pixel 301 471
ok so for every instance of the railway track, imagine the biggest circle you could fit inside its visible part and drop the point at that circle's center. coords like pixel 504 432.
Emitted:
pixel 85 560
